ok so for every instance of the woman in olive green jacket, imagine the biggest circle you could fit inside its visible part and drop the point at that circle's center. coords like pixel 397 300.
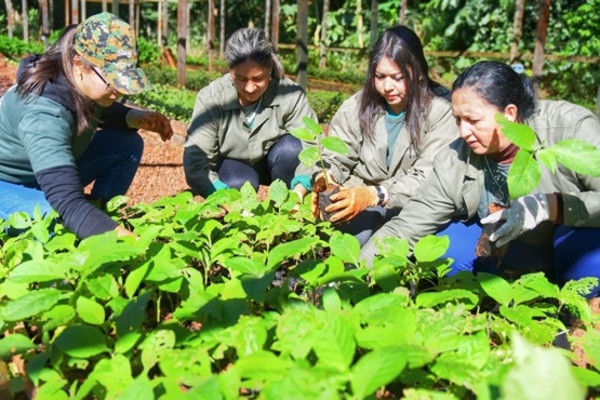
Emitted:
pixel 555 227
pixel 239 128
pixel 393 128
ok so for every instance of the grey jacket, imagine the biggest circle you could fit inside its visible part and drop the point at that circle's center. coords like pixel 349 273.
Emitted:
pixel 453 190
pixel 366 161
pixel 219 128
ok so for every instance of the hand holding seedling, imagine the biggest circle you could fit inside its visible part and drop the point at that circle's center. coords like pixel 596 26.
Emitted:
pixel 150 121
pixel 349 202
pixel 524 214
pixel 323 181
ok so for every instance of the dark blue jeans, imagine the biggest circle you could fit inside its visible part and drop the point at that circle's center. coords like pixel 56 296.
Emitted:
pixel 280 163
pixel 110 162
pixel 364 225
pixel 573 254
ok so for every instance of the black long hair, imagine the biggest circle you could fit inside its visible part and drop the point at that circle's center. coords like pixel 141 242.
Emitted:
pixel 56 61
pixel 253 44
pixel 500 86
pixel 401 45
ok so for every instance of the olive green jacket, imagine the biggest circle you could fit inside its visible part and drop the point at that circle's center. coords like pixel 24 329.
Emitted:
pixel 453 190
pixel 366 161
pixel 219 128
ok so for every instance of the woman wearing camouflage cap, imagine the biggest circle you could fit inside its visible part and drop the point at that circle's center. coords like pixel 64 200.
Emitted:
pixel 51 145
pixel 239 128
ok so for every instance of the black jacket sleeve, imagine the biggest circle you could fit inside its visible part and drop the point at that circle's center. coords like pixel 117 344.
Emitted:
pixel 64 191
pixel 114 116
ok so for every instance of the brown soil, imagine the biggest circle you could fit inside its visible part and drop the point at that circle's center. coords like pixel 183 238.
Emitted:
pixel 161 171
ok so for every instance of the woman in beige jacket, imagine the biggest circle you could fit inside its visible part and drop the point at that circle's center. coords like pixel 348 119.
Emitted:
pixel 393 128
pixel 239 128
pixel 556 227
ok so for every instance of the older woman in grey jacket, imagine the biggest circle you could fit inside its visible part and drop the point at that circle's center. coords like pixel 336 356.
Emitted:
pixel 239 128
pixel 557 226
pixel 393 128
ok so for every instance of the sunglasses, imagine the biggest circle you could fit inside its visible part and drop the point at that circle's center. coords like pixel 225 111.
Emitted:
pixel 109 87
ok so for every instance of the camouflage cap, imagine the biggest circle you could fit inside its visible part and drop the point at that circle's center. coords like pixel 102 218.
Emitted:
pixel 109 44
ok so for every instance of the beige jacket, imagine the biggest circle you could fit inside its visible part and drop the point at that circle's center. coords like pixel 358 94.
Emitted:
pixel 219 128
pixel 454 188
pixel 366 161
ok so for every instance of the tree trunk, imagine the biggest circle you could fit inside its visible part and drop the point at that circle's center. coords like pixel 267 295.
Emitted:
pixel 44 12
pixel 75 11
pixel 10 18
pixel 182 28
pixel 222 28
pixel 359 23
pixel 275 24
pixel 267 15
pixel 115 7
pixel 104 5
pixel 210 36
pixel 517 30
pixel 322 48
pixel 540 41
pixel 132 15
pixel 403 7
pixel 25 19
pixel 302 44
pixel 374 17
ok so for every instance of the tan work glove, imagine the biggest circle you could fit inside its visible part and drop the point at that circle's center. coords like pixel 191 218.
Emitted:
pixel 150 121
pixel 349 202
pixel 319 185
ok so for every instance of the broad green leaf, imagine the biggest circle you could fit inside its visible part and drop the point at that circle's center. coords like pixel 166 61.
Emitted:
pixel 495 287
pixel 587 377
pixel 331 300
pixel 53 389
pixel 249 335
pixel 335 144
pixel 523 175
pixel 431 248
pixel 345 246
pixel 434 299
pixel 262 365
pixel 113 373
pixel 135 278
pixel 97 250
pixel 58 315
pixel 591 346
pixel 548 159
pixel 243 265
pixel 334 342
pixel 103 287
pixel 295 332
pixel 457 368
pixel 38 271
pixel 303 134
pixel 126 342
pixel 81 341
pixel 380 308
pixel 15 343
pixel 519 134
pixel 578 155
pixel 133 315
pixel 29 305
pixel 278 192
pixel 309 156
pixel 376 369
pixel 312 125
pixel 530 378
pixel 140 389
pixel 290 250
pixel 90 311
pixel 156 344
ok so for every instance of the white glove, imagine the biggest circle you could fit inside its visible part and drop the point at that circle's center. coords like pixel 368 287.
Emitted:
pixel 524 214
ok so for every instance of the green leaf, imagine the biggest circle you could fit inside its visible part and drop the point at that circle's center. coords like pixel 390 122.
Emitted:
pixel 523 175
pixel 578 155
pixel 139 389
pixel 278 192
pixel 548 159
pixel 431 248
pixel 331 300
pixel 376 369
pixel 262 365
pixel 519 134
pixel 345 246
pixel 495 287
pixel 90 311
pixel 113 373
pixel 81 341
pixel 38 271
pixel 249 335
pixel 309 156
pixel 303 134
pixel 289 250
pixel 58 315
pixel 334 343
pixel 434 299
pixel 156 344
pixel 135 278
pixel 312 125
pixel 335 144
pixel 126 342
pixel 15 343
pixel 29 305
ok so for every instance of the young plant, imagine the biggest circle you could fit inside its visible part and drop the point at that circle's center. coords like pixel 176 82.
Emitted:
pixel 312 134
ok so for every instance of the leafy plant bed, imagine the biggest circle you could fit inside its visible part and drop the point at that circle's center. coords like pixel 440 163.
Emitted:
pixel 262 302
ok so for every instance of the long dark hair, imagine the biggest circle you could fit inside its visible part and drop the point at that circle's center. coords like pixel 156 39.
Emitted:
pixel 401 45
pixel 253 44
pixel 56 61
pixel 500 86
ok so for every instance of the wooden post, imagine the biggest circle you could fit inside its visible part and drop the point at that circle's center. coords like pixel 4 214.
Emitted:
pixel 210 35
pixel 132 14
pixel 322 48
pixel 221 28
pixel 83 12
pixel 517 30
pixel 25 15
pixel 182 28
pixel 540 41
pixel 45 22
pixel 302 44
pixel 74 11
pixel 402 16
pixel 373 24
pixel 275 24
pixel 115 7
pixel 104 5
pixel 165 23
pixel 267 16
pixel 10 18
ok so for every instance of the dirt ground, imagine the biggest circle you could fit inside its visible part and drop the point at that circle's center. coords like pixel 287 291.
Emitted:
pixel 161 170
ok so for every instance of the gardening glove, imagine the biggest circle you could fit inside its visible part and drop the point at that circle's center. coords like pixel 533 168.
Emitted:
pixel 319 185
pixel 524 214
pixel 349 202
pixel 150 121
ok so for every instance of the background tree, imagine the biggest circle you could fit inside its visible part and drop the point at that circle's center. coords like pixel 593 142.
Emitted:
pixel 322 48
